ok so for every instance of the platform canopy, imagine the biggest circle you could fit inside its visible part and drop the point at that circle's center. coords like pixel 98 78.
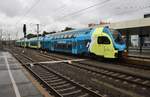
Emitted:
pixel 145 22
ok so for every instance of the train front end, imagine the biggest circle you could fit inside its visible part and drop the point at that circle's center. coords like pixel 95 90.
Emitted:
pixel 107 43
pixel 119 43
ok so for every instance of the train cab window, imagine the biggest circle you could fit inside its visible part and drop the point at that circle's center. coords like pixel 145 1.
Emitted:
pixel 103 40
pixel 117 36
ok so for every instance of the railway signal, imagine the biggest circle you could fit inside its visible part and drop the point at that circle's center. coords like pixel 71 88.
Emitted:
pixel 24 30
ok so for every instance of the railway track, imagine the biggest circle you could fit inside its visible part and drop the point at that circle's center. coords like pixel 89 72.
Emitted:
pixel 139 57
pixel 124 62
pixel 117 74
pixel 132 79
pixel 120 62
pixel 140 83
pixel 57 84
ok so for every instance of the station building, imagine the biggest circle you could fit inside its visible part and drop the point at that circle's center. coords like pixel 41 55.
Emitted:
pixel 137 35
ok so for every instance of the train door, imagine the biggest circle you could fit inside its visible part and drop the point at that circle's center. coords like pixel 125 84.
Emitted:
pixel 74 46
pixel 100 45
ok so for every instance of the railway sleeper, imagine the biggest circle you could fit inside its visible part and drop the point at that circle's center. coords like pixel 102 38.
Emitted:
pixel 73 93
pixel 66 89
pixel 62 86
pixel 55 80
pixel 58 83
pixel 146 82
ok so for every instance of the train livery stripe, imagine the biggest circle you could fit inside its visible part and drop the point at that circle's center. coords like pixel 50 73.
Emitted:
pixel 93 45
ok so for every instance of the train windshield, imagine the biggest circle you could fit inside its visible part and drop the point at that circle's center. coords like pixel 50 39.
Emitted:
pixel 117 36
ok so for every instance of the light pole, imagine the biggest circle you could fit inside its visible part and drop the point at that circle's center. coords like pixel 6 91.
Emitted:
pixel 1 46
pixel 38 42
pixel 24 31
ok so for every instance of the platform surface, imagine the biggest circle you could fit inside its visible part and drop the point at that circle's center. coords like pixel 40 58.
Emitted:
pixel 13 80
pixel 143 54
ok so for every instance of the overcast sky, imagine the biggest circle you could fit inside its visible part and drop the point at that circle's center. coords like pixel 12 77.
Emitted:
pixel 57 14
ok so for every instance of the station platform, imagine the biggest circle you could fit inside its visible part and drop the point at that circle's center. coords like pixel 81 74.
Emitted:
pixel 136 53
pixel 139 56
pixel 13 80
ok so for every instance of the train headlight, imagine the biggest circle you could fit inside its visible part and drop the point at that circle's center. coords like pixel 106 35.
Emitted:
pixel 116 55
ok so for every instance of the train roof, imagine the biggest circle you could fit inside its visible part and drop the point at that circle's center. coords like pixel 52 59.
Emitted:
pixel 83 30
pixel 70 33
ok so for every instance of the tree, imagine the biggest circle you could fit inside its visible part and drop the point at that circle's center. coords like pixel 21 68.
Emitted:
pixel 67 29
pixel 45 33
pixel 31 36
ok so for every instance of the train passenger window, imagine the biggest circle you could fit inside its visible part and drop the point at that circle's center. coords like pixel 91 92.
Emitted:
pixel 76 35
pixel 65 36
pixel 56 36
pixel 59 36
pixel 62 36
pixel 53 37
pixel 86 32
pixel 103 40
pixel 70 35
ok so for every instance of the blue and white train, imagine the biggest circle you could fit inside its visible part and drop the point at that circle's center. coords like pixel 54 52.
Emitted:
pixel 101 41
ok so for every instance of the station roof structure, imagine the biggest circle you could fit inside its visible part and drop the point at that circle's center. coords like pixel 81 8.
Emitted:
pixel 145 22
